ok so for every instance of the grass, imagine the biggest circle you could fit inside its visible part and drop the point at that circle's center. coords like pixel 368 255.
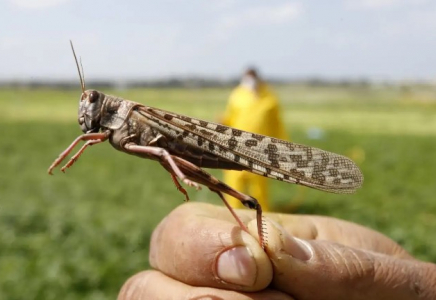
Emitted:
pixel 82 234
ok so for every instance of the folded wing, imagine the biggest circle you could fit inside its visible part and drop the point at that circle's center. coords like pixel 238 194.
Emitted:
pixel 263 155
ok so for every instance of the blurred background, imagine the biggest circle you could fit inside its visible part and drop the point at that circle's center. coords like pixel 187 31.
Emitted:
pixel 353 77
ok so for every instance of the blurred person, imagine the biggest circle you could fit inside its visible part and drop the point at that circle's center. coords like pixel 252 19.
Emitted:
pixel 253 107
pixel 199 252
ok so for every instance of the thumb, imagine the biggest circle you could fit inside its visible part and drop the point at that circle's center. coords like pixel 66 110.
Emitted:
pixel 316 269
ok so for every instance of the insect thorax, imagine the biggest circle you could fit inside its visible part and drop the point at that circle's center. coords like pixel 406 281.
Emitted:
pixel 115 111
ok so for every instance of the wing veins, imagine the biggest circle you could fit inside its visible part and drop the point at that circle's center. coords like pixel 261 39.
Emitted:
pixel 184 121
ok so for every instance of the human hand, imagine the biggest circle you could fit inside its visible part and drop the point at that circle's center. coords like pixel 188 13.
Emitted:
pixel 199 252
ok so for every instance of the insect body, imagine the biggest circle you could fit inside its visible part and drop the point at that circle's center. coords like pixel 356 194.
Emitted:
pixel 183 145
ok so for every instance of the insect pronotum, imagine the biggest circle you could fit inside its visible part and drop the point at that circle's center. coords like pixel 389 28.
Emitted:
pixel 183 145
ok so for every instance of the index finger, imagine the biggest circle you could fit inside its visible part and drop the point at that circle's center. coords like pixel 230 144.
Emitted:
pixel 343 232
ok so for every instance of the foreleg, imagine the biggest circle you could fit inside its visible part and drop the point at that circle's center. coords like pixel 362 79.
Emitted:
pixel 92 138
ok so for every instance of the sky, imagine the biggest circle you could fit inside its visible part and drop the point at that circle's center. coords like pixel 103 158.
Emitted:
pixel 139 39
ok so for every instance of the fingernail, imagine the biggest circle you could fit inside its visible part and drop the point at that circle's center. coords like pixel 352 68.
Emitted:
pixel 297 248
pixel 237 266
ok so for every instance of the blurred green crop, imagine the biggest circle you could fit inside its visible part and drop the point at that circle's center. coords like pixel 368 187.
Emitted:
pixel 80 235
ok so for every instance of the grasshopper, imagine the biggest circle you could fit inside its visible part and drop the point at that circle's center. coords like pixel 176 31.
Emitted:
pixel 183 145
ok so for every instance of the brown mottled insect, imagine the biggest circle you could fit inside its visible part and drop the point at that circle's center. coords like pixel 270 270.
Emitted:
pixel 182 145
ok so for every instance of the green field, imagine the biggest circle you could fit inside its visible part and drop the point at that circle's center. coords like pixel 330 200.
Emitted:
pixel 80 235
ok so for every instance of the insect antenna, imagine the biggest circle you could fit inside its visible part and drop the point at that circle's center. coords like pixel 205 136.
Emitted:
pixel 82 79
pixel 83 74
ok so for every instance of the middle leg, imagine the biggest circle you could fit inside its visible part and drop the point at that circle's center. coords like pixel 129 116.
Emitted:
pixel 200 176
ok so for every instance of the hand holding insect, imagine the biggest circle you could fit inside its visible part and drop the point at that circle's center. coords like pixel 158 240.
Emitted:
pixel 307 257
pixel 183 145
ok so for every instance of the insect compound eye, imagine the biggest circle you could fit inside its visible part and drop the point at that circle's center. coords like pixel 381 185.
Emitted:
pixel 93 96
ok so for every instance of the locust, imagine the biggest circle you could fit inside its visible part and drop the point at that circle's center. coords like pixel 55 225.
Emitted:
pixel 184 145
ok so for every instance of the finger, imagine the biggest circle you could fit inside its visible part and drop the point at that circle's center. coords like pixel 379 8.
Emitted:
pixel 340 231
pixel 201 245
pixel 325 270
pixel 157 286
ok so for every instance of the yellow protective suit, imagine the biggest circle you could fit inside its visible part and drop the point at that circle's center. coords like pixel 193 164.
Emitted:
pixel 256 112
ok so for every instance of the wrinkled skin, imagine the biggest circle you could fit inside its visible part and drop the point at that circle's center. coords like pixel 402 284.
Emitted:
pixel 198 252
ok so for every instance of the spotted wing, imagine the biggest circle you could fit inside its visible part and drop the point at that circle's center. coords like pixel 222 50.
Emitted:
pixel 262 155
